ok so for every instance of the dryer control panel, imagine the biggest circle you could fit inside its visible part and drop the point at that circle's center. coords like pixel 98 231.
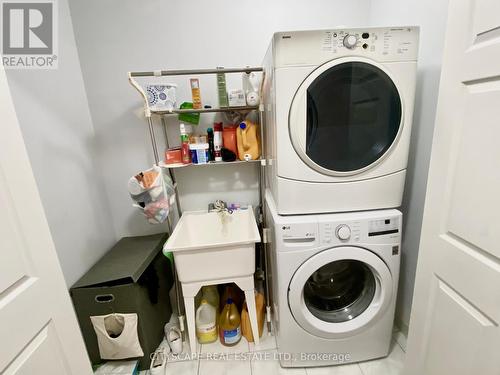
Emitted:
pixel 314 47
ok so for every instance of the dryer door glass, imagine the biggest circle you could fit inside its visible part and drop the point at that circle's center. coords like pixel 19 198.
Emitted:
pixel 339 291
pixel 353 116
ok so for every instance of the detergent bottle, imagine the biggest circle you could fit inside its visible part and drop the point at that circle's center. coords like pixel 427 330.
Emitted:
pixel 248 139
pixel 206 323
pixel 230 324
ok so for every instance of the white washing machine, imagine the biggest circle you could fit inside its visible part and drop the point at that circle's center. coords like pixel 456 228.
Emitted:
pixel 334 280
pixel 338 114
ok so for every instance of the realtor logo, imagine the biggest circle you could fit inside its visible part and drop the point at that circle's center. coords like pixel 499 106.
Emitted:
pixel 29 35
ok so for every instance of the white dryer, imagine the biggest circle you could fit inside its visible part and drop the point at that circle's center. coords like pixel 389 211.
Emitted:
pixel 334 280
pixel 338 114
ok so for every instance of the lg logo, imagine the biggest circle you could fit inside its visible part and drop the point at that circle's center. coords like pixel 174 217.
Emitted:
pixel 28 34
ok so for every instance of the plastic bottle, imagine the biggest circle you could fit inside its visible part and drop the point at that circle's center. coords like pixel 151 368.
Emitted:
pixel 185 153
pixel 211 295
pixel 206 323
pixel 247 136
pixel 229 138
pixel 217 141
pixel 211 149
pixel 230 324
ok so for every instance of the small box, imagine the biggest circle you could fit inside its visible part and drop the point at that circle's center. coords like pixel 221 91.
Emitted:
pixel 133 277
pixel 199 153
pixel 173 156
pixel 237 98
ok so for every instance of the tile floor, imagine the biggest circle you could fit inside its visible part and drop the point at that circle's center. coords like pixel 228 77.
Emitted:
pixel 246 359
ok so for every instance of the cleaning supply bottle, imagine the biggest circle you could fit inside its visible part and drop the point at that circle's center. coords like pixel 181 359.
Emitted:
pixel 247 137
pixel 185 153
pixel 211 295
pixel 206 323
pixel 229 324
pixel 211 148
pixel 218 141
pixel 229 138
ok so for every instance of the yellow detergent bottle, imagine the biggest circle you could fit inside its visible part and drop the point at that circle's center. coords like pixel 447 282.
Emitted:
pixel 229 324
pixel 206 323
pixel 248 140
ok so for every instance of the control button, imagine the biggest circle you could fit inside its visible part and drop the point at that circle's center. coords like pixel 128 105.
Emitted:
pixel 343 232
pixel 365 35
pixel 350 41
pixel 365 46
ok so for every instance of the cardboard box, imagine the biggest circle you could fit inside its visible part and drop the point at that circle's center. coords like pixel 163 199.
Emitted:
pixel 133 277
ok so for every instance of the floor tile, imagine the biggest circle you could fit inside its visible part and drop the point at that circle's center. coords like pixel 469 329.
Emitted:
pixel 184 356
pixel 391 365
pixel 267 342
pixel 352 369
pixel 217 347
pixel 224 367
pixel 266 363
pixel 182 368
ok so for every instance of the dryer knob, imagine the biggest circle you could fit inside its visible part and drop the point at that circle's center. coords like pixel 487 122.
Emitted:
pixel 343 232
pixel 350 41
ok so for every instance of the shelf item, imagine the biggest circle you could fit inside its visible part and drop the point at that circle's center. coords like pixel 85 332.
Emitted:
pixel 159 73
pixel 212 163
pixel 206 110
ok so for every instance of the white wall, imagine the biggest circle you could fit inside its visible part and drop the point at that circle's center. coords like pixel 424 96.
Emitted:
pixel 53 113
pixel 117 36
pixel 431 17
pixel 69 149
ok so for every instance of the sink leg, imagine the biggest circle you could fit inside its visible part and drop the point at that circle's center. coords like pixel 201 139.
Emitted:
pixel 190 316
pixel 252 312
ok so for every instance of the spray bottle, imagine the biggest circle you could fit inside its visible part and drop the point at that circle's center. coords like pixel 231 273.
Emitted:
pixel 185 153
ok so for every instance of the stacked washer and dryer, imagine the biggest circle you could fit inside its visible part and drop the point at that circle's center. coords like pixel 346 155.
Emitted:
pixel 338 112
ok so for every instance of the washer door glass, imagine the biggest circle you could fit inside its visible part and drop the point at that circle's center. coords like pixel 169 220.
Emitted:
pixel 353 116
pixel 339 291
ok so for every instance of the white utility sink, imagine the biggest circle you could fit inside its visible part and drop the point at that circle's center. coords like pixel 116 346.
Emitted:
pixel 212 245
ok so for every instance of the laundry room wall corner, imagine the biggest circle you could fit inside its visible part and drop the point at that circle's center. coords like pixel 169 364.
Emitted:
pixel 53 113
pixel 431 17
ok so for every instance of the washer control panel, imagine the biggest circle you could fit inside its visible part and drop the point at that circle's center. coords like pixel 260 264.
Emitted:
pixel 343 232
pixel 382 229
pixel 298 235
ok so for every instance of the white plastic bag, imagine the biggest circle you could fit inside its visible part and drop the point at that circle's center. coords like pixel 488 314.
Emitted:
pixel 117 336
pixel 153 193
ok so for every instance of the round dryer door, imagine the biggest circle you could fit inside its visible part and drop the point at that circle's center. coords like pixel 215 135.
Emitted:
pixel 346 116
pixel 340 291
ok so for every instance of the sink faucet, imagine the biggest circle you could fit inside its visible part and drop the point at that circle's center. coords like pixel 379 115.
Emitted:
pixel 219 206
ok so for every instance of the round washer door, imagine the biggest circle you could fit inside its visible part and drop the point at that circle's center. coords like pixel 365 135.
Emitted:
pixel 346 116
pixel 339 291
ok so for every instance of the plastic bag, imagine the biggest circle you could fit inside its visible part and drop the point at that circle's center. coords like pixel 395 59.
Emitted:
pixel 153 193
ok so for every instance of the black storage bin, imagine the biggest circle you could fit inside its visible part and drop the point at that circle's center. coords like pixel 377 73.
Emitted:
pixel 133 277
